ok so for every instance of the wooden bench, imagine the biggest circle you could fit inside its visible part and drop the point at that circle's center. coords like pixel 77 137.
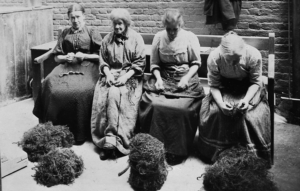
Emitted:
pixel 208 43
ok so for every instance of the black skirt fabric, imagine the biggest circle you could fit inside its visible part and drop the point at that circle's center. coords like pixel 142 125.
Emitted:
pixel 171 115
pixel 173 121
pixel 66 97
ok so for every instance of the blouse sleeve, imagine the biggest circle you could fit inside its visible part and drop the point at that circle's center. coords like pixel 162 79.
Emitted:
pixel 154 58
pixel 213 73
pixel 139 56
pixel 255 65
pixel 58 49
pixel 96 41
pixel 194 50
pixel 103 57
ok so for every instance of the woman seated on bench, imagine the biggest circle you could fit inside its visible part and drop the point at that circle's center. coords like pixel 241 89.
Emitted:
pixel 171 102
pixel 67 92
pixel 236 112
pixel 119 89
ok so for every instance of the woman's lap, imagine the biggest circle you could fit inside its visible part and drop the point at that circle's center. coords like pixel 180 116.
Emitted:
pixel 114 115
pixel 172 121
pixel 66 98
pixel 218 131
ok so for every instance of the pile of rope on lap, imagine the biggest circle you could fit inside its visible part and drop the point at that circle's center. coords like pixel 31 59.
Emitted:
pixel 237 169
pixel 147 161
pixel 49 145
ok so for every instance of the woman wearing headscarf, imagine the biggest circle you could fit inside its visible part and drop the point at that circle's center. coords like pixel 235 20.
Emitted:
pixel 119 88
pixel 236 112
pixel 66 94
pixel 170 105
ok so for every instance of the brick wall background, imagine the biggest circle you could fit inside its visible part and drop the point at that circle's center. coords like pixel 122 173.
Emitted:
pixel 12 2
pixel 19 2
pixel 258 18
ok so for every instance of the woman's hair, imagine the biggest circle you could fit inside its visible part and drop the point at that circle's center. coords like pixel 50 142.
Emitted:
pixel 231 42
pixel 122 14
pixel 75 7
pixel 172 16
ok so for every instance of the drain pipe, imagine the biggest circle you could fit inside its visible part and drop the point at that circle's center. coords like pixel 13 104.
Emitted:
pixel 296 56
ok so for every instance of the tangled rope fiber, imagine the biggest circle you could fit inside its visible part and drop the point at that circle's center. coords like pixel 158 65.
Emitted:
pixel 59 166
pixel 237 169
pixel 147 161
pixel 43 138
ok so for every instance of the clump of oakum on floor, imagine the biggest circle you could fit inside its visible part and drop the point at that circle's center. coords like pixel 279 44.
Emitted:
pixel 43 138
pixel 49 145
pixel 237 169
pixel 59 166
pixel 147 161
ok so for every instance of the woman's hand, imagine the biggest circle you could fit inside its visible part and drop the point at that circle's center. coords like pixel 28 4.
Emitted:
pixel 243 105
pixel 159 84
pixel 121 81
pixel 70 57
pixel 110 79
pixel 80 56
pixel 184 82
pixel 226 108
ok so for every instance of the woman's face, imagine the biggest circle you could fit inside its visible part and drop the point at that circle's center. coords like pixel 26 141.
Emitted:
pixel 233 58
pixel 77 19
pixel 172 30
pixel 119 26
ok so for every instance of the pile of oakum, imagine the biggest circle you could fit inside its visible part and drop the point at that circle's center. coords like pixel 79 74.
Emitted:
pixel 148 167
pixel 59 166
pixel 43 138
pixel 237 169
pixel 49 145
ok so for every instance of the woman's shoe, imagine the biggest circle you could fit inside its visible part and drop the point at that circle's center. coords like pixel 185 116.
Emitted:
pixel 174 159
pixel 108 146
pixel 78 143
pixel 103 155
pixel 106 154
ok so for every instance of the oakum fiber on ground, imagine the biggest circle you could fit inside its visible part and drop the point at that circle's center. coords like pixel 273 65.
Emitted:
pixel 237 169
pixel 147 161
pixel 59 166
pixel 43 138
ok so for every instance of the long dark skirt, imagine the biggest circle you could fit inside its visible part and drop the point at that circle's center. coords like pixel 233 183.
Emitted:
pixel 66 97
pixel 171 116
pixel 250 129
pixel 172 121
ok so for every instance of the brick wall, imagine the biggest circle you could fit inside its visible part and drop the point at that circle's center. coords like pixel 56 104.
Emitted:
pixel 12 2
pixel 258 18
pixel 19 3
